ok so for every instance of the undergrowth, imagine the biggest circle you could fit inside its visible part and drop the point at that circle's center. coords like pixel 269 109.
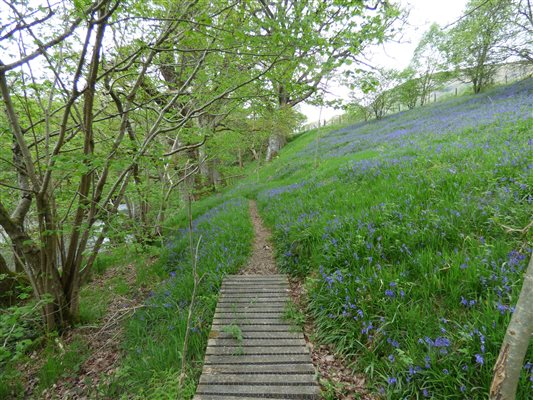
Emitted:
pixel 400 229
pixel 154 336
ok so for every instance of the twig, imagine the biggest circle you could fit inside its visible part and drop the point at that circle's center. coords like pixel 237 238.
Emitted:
pixel 522 231
pixel 194 258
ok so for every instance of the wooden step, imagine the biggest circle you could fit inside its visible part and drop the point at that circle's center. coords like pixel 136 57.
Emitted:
pixel 253 352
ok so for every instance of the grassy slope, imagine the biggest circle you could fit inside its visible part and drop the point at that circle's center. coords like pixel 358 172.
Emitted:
pixel 154 336
pixel 398 227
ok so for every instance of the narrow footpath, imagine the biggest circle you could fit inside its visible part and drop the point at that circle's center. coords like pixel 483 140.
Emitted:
pixel 253 353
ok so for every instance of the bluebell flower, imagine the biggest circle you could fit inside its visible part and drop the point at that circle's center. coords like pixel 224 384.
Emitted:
pixel 442 342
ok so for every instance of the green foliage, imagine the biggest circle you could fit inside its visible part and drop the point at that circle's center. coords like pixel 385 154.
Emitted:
pixel 19 328
pixel 377 87
pixel 235 332
pixel 477 43
pixel 115 257
pixel 400 238
pixel 293 314
pixel 61 361
pixel 154 336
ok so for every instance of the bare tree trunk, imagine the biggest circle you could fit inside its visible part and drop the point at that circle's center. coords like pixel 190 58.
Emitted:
pixel 275 143
pixel 239 158
pixel 204 166
pixel 515 344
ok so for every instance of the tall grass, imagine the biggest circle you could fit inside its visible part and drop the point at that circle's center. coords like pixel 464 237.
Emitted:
pixel 402 238
pixel 154 336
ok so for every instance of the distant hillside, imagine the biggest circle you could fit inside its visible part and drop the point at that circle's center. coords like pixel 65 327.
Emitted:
pixel 399 230
pixel 505 74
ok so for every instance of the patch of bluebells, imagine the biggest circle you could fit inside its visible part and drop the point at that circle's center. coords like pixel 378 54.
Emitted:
pixel 401 130
pixel 377 253
pixel 226 233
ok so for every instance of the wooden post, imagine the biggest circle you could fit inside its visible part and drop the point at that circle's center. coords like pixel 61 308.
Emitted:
pixel 455 91
pixel 434 97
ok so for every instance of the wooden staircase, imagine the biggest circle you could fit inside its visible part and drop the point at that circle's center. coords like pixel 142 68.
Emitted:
pixel 252 352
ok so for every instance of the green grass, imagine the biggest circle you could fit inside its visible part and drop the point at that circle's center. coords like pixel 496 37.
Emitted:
pixel 294 315
pixel 154 336
pixel 398 228
pixel 61 362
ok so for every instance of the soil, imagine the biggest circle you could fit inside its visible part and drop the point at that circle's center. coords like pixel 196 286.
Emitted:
pixel 333 370
pixel 262 260
pixel 103 341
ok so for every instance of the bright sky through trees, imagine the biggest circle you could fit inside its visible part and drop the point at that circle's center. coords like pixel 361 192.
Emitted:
pixel 396 55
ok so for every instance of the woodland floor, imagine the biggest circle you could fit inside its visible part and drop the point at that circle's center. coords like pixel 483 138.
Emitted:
pixel 336 379
pixel 103 341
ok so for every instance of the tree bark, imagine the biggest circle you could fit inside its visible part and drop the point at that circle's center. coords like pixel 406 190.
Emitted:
pixel 7 282
pixel 275 144
pixel 515 344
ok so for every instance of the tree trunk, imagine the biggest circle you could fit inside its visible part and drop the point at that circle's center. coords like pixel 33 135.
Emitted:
pixel 515 344
pixel 7 282
pixel 204 166
pixel 239 157
pixel 275 143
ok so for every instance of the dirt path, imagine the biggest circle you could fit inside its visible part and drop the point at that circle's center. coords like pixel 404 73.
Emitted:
pixel 343 383
pixel 262 260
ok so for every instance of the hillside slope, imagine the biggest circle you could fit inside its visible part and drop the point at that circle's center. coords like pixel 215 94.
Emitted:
pixel 400 229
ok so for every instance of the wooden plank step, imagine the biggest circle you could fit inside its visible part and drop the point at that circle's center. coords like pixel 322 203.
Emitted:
pixel 250 315
pixel 251 307
pixel 254 284
pixel 277 286
pixel 254 295
pixel 263 390
pixel 224 379
pixel 255 342
pixel 256 350
pixel 247 328
pixel 259 291
pixel 256 320
pixel 266 284
pixel 253 311
pixel 220 334
pixel 257 359
pixel 224 397
pixel 252 369
pixel 253 301
pixel 257 280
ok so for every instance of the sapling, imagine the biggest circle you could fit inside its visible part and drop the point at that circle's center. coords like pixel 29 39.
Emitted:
pixel 515 343
pixel 197 279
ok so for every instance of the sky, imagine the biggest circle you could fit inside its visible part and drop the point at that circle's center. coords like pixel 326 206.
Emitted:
pixel 395 55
